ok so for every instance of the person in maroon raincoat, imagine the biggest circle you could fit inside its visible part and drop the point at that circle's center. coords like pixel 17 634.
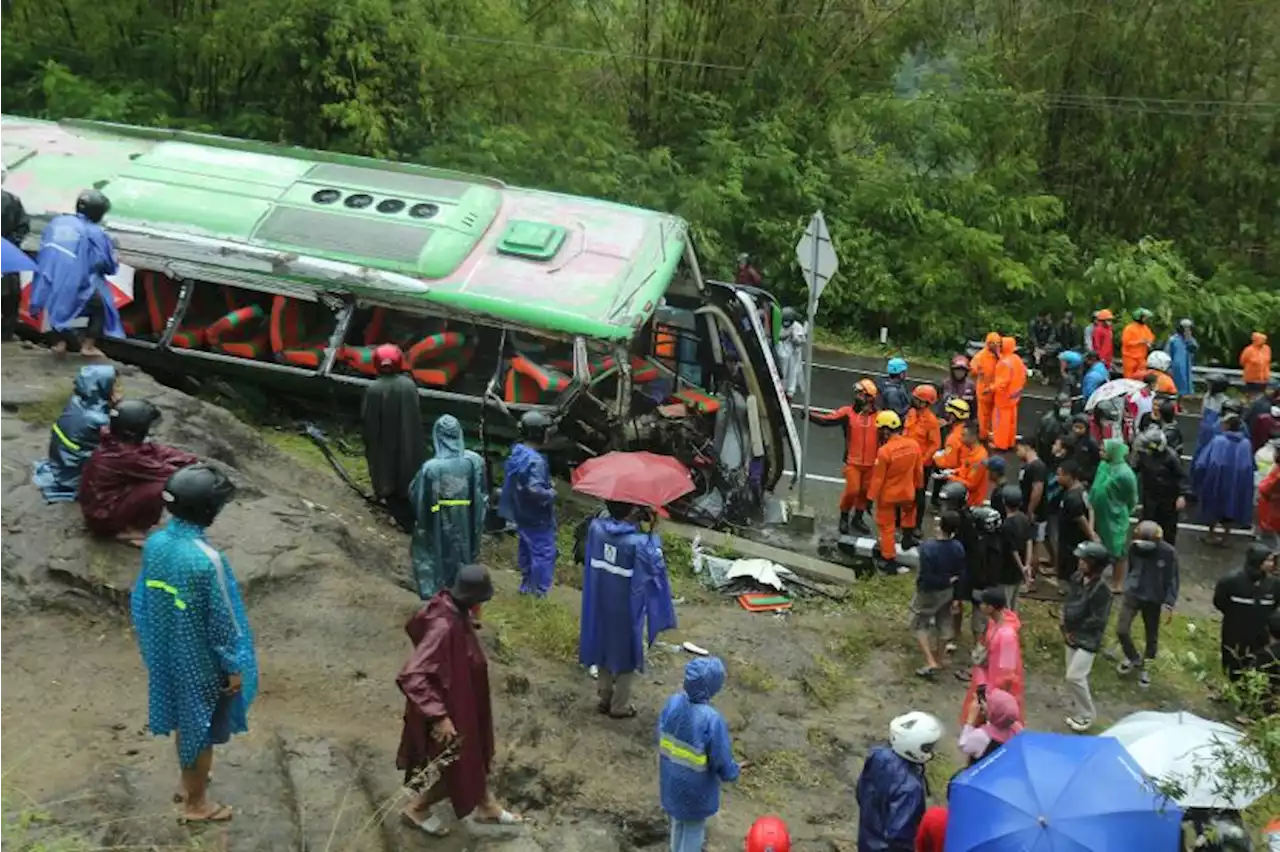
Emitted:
pixel 122 482
pixel 448 713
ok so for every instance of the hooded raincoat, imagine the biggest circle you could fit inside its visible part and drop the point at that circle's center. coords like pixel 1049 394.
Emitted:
pixel 76 434
pixel 1010 380
pixel 1113 496
pixel 1246 597
pixel 394 447
pixel 1223 478
pixel 982 366
pixel 1255 360
pixel 790 348
pixel 192 630
pixel 624 586
pixel 449 506
pixel 75 258
pixel 1094 378
pixel 891 800
pixel 1182 350
pixel 1135 345
pixel 528 500
pixel 1002 667
pixel 123 481
pixel 694 751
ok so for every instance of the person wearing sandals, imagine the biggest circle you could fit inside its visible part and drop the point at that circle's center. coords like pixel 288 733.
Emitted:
pixel 624 586
pixel 448 719
pixel 997 661
pixel 941 564
pixel 695 755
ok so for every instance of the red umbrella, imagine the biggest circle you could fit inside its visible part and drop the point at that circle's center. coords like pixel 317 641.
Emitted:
pixel 645 479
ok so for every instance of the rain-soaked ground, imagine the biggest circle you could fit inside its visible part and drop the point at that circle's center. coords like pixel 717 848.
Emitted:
pixel 327 593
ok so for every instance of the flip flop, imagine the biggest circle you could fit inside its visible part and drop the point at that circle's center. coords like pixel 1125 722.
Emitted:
pixel 432 826
pixel 222 813
pixel 504 818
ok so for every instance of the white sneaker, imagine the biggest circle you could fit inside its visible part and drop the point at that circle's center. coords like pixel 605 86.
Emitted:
pixel 1078 724
pixel 1124 667
pixel 1144 679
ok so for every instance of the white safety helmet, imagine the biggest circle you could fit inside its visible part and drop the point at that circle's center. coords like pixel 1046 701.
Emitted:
pixel 1159 360
pixel 914 736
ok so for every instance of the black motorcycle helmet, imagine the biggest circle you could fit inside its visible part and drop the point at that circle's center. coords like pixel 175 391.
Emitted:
pixel 197 493
pixel 987 519
pixel 93 205
pixel 953 496
pixel 534 427
pixel 132 419
pixel 1011 494
pixel 1094 553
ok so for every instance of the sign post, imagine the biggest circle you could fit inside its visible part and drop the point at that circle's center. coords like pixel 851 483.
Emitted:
pixel 817 258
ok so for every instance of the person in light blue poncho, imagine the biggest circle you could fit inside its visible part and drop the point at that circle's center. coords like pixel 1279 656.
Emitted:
pixel 449 506
pixel 76 433
pixel 202 672
pixel 695 754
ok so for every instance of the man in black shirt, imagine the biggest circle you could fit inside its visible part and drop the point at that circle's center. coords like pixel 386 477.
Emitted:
pixel 1033 480
pixel 1082 448
pixel 1015 546
pixel 1075 523
pixel 1165 486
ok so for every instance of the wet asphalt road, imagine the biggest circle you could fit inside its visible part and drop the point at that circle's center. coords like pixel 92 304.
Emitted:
pixel 833 378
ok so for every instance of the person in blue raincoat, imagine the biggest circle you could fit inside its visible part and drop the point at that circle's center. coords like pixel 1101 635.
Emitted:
pixel 1095 375
pixel 1222 476
pixel 76 433
pixel 695 755
pixel 75 258
pixel 1182 348
pixel 624 585
pixel 528 500
pixel 449 505
pixel 202 672
pixel 891 788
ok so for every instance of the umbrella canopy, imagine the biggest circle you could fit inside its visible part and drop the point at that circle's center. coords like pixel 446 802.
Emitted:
pixel 1059 793
pixel 645 479
pixel 14 259
pixel 1203 757
pixel 1111 390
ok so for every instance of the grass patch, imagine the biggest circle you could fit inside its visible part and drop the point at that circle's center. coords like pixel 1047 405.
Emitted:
pixel 48 409
pixel 751 676
pixel 539 625
pixel 303 449
pixel 826 681
pixel 853 343
pixel 774 778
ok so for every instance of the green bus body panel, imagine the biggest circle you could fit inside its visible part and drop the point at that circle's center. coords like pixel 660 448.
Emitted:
pixel 603 278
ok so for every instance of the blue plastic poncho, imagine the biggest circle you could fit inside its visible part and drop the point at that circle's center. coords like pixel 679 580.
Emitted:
pixel 891 802
pixel 694 751
pixel 193 633
pixel 1094 378
pixel 76 434
pixel 74 260
pixel 528 499
pixel 1210 428
pixel 449 506
pixel 624 584
pixel 1182 352
pixel 1224 472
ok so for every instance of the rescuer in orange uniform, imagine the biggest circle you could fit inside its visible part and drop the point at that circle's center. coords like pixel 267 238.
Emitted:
pixel 1135 345
pixel 971 465
pixel 956 412
pixel 897 475
pixel 1011 378
pixel 922 427
pixel 983 369
pixel 861 442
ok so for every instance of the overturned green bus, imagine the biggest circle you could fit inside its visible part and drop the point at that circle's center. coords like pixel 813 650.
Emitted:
pixel 253 259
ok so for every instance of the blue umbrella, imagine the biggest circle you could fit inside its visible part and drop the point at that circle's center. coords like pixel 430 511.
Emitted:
pixel 14 259
pixel 1060 793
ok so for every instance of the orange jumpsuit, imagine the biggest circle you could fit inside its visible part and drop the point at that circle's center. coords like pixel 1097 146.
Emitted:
pixel 861 443
pixel 983 369
pixel 1164 383
pixel 1255 360
pixel 952 452
pixel 972 471
pixel 923 427
pixel 1135 346
pixel 1011 378
pixel 897 475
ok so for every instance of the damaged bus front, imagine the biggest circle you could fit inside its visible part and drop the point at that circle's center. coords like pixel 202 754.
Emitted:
pixel 292 265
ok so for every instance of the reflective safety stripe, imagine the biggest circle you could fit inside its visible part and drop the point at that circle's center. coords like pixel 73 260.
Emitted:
pixel 611 568
pixel 446 503
pixel 682 753
pixel 165 587
pixel 70 444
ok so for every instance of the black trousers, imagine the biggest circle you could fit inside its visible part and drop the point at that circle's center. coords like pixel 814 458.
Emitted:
pixel 10 299
pixel 1166 515
pixel 400 507
pixel 1150 613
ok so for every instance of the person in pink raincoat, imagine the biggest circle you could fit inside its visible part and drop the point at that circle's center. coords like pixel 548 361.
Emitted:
pixel 998 660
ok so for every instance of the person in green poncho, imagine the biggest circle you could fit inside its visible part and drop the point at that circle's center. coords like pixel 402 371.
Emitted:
pixel 1114 496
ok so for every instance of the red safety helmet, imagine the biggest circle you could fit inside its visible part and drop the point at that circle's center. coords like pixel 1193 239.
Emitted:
pixel 768 834
pixel 388 358
pixel 926 393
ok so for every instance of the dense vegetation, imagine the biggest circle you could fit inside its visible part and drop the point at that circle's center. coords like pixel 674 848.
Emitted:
pixel 975 158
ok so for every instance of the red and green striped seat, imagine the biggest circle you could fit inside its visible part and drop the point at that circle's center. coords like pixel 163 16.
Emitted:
pixel 642 369
pixel 697 400
pixel 208 302
pixel 298 335
pixel 528 382
pixel 242 333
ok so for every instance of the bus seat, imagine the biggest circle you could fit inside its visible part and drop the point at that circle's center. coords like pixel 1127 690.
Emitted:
pixel 242 333
pixel 643 370
pixel 699 401
pixel 528 382
pixel 208 303
pixel 298 335
pixel 437 360
pixel 383 329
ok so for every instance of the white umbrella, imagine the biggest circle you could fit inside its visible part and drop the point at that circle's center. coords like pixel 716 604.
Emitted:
pixel 1208 760
pixel 1111 390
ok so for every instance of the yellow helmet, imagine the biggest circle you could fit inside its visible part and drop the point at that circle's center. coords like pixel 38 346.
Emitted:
pixel 888 420
pixel 958 408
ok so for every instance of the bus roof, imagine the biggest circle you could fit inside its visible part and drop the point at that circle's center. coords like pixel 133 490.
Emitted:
pixel 534 258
